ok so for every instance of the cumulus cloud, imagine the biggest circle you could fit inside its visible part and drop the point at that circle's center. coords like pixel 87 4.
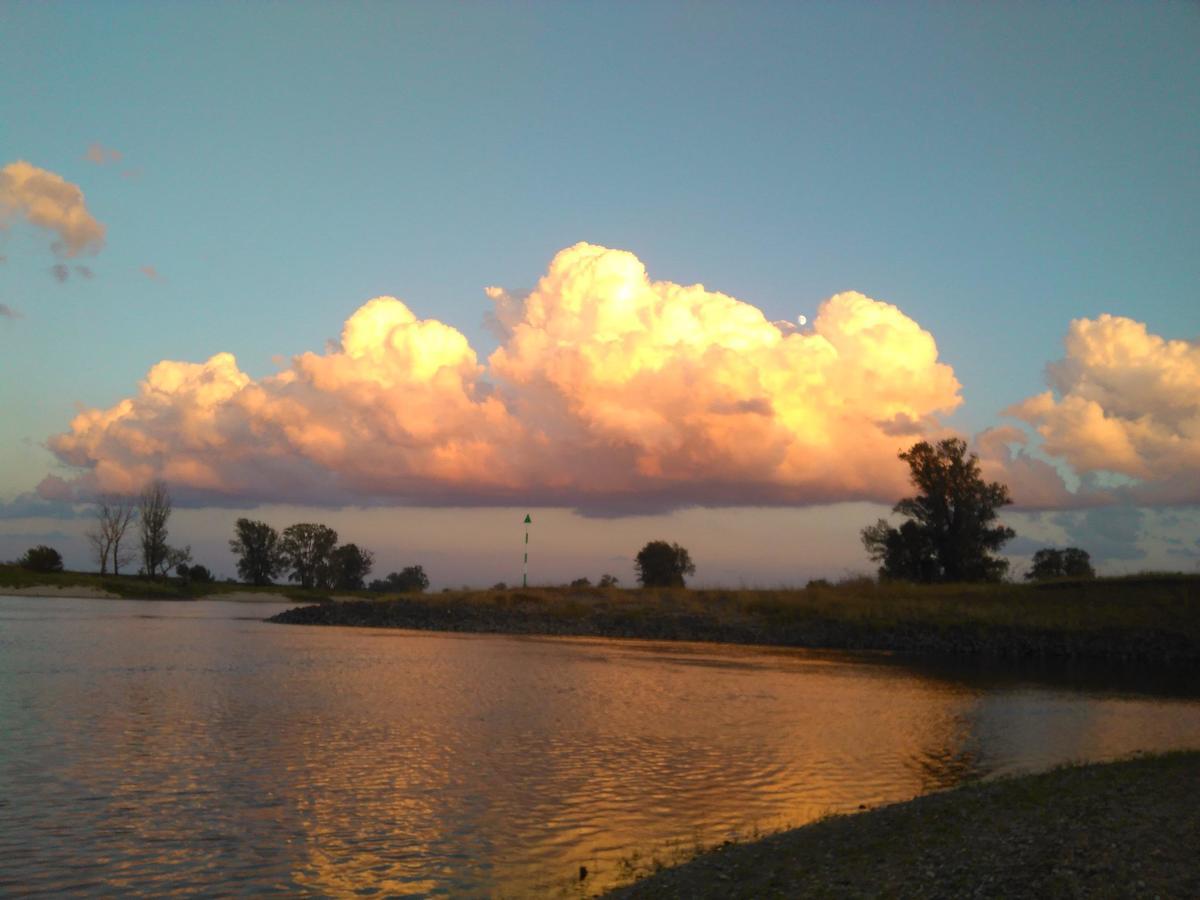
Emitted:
pixel 1126 402
pixel 151 273
pixel 610 392
pixel 7 312
pixel 48 201
pixel 1033 483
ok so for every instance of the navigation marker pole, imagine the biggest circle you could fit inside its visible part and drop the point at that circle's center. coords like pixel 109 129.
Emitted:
pixel 525 570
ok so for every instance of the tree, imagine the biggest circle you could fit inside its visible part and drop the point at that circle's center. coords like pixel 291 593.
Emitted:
pixel 951 532
pixel 409 580
pixel 154 510
pixel 581 583
pixel 607 581
pixel 349 565
pixel 660 564
pixel 305 549
pixel 1069 563
pixel 1077 563
pixel 257 547
pixel 41 559
pixel 114 514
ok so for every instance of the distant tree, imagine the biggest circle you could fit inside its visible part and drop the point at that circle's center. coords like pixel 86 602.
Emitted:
pixel 114 514
pixel 257 547
pixel 306 548
pixel 154 511
pixel 1077 563
pixel 607 581
pixel 951 533
pixel 349 565
pixel 409 580
pixel 1069 563
pixel 581 583
pixel 500 586
pixel 41 559
pixel 660 564
pixel 197 573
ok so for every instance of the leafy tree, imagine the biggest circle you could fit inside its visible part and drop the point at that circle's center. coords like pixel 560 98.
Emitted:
pixel 581 583
pixel 1069 563
pixel 154 510
pixel 257 547
pixel 409 580
pixel 306 548
pixel 951 533
pixel 197 573
pixel 41 559
pixel 607 581
pixel 349 565
pixel 1077 563
pixel 660 564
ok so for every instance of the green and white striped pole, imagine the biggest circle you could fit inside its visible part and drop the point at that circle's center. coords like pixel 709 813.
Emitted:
pixel 525 570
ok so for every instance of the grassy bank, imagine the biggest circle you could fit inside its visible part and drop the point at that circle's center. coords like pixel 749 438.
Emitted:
pixel 1154 618
pixel 133 587
pixel 1125 829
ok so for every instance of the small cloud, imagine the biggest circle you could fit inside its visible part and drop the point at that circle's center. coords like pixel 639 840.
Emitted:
pixel 151 273
pixel 49 201
pixel 132 173
pixel 60 272
pixel 84 272
pixel 7 312
pixel 100 155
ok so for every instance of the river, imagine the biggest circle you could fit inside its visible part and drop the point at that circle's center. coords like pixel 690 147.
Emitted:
pixel 148 747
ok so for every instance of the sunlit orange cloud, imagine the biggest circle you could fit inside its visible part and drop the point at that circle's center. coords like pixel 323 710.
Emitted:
pixel 610 392
pixel 49 201
pixel 1128 403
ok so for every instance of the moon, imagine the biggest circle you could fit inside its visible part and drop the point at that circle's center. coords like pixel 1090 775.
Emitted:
pixel 803 320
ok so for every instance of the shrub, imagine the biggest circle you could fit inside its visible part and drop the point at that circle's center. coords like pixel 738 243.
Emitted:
pixel 41 559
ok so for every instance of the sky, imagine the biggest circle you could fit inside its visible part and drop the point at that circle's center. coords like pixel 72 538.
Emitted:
pixel 681 271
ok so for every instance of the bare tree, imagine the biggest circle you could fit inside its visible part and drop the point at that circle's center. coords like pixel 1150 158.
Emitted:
pixel 154 506
pixel 100 546
pixel 114 514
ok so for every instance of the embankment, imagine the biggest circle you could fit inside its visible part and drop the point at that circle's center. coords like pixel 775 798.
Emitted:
pixel 1153 619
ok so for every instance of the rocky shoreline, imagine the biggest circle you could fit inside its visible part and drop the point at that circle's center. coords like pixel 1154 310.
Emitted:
pixel 431 613
pixel 1123 829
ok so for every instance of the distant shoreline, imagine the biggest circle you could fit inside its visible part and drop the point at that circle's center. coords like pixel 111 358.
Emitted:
pixel 1128 620
pixel 87 592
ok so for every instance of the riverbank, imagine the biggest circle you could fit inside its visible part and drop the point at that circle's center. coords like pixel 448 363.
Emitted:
pixel 18 582
pixel 1121 829
pixel 1136 619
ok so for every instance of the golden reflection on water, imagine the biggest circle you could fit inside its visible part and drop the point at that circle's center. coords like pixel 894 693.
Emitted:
pixel 155 755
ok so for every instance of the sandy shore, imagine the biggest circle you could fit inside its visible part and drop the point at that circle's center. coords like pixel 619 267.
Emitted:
pixel 86 592
pixel 82 592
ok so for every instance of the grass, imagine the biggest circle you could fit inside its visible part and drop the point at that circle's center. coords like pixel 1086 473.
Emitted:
pixel 1129 828
pixel 1138 617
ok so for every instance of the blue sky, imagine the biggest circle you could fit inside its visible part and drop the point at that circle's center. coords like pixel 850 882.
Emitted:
pixel 994 171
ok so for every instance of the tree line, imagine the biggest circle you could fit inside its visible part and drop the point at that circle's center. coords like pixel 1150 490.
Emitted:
pixel 129 528
pixel 950 533
pixel 309 553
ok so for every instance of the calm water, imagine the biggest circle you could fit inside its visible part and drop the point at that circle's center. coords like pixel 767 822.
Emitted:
pixel 147 747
